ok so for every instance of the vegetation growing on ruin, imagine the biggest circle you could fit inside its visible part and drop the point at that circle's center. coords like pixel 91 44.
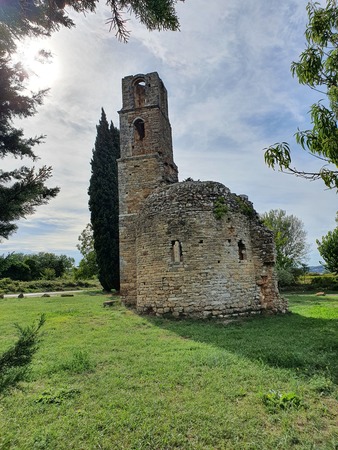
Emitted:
pixel 245 207
pixel 108 378
pixel 220 208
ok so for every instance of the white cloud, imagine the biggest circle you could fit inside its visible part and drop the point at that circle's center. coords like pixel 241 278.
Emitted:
pixel 230 95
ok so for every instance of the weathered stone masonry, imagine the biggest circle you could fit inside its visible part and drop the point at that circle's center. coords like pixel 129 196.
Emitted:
pixel 188 249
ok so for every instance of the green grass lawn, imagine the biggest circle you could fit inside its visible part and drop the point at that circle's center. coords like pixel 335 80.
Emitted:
pixel 106 378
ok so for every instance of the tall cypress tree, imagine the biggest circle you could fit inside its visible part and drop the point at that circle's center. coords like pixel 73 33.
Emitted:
pixel 104 203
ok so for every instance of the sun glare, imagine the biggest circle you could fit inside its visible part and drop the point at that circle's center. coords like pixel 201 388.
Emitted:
pixel 42 71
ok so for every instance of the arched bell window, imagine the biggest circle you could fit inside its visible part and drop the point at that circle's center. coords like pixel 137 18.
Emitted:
pixel 139 92
pixel 139 131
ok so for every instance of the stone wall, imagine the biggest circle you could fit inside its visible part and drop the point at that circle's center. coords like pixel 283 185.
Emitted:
pixel 189 263
pixel 144 121
pixel 146 162
pixel 189 249
pixel 138 176
pixel 128 273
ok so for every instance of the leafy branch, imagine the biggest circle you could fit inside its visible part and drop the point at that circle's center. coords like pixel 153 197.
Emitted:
pixel 317 67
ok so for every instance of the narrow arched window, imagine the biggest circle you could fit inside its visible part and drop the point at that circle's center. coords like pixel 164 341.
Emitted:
pixel 139 130
pixel 241 251
pixel 176 249
pixel 139 92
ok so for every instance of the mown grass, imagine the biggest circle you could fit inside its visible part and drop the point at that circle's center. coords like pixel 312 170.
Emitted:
pixel 106 378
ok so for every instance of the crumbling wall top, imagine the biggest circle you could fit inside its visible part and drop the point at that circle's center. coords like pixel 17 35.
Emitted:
pixel 144 90
pixel 197 195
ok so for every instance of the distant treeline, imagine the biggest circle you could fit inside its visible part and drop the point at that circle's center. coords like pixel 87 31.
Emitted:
pixel 317 269
pixel 28 267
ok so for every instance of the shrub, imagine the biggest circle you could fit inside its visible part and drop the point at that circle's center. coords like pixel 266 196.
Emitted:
pixel 326 281
pixel 220 208
pixel 48 274
pixel 245 207
pixel 14 363
pixel 285 277
pixel 8 286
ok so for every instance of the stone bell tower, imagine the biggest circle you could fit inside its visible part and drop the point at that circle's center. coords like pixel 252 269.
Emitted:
pixel 146 162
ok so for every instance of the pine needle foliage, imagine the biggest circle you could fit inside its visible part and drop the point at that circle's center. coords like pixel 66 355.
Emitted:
pixel 30 17
pixel 21 189
pixel 14 363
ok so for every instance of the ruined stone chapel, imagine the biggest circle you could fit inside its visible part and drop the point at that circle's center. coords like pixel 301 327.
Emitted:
pixel 188 249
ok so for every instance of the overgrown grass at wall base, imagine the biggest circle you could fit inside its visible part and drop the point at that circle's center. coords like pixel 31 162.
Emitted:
pixel 106 378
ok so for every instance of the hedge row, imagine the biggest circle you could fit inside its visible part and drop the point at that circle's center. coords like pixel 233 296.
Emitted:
pixel 8 286
pixel 314 282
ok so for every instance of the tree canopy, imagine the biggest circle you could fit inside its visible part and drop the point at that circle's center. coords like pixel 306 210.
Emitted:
pixel 30 17
pixel 318 69
pixel 86 240
pixel 328 249
pixel 88 267
pixel 21 189
pixel 290 237
pixel 36 266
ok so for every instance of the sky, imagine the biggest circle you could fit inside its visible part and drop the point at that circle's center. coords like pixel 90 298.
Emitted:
pixel 230 92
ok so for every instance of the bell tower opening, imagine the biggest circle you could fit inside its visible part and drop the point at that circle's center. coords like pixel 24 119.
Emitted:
pixel 139 131
pixel 146 163
pixel 139 92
